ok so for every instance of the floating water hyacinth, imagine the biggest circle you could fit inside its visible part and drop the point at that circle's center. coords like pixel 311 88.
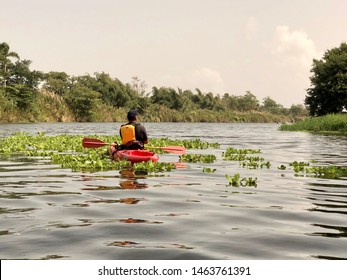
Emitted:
pixel 234 154
pixel 243 156
pixel 198 158
pixel 236 181
pixel 67 151
pixel 209 170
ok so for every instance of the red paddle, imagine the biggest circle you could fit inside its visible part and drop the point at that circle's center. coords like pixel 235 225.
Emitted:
pixel 171 149
pixel 96 143
pixel 93 143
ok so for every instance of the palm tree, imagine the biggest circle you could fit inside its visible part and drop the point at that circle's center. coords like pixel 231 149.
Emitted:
pixel 5 60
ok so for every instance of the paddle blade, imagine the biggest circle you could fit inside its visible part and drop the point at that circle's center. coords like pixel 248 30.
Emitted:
pixel 174 149
pixel 180 164
pixel 171 149
pixel 93 143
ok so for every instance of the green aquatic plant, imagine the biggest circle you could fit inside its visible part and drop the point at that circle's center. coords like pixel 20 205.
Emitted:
pixel 235 157
pixel 255 163
pixel 199 144
pixel 244 158
pixel 68 152
pixel 188 144
pixel 299 166
pixel 88 162
pixel 250 181
pixel 327 172
pixel 198 158
pixel 236 181
pixel 154 167
pixel 330 172
pixel 231 150
pixel 234 154
pixel 209 170
pixel 33 145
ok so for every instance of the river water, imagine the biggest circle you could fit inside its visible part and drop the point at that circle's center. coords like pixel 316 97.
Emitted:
pixel 50 213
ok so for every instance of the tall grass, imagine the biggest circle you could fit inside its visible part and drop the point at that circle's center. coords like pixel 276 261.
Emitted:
pixel 49 107
pixel 328 123
pixel 159 113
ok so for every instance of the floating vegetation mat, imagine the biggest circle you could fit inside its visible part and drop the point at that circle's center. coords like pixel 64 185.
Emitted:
pixel 68 152
pixel 328 172
pixel 244 158
pixel 198 158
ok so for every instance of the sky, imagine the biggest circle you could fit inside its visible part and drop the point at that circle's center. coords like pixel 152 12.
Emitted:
pixel 266 47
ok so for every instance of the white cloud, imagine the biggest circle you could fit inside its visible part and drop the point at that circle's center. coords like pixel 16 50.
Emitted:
pixel 251 27
pixel 205 79
pixel 294 47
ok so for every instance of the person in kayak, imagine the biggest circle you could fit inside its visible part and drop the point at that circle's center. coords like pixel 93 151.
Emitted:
pixel 133 134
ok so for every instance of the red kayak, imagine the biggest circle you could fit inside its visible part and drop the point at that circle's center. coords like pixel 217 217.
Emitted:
pixel 133 155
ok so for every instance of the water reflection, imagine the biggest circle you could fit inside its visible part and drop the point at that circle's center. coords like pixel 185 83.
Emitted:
pixel 4 232
pixel 332 258
pixel 65 225
pixel 99 188
pixel 329 205
pixel 16 210
pixel 15 195
pixel 133 244
pixel 334 231
pixel 137 221
pixel 129 179
pixel 124 220
pixel 128 200
pixel 328 197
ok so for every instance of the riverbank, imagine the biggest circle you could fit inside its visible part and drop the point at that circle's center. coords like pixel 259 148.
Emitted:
pixel 51 110
pixel 62 114
pixel 50 107
pixel 332 123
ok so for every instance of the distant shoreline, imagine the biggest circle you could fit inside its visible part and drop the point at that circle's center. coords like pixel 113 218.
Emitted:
pixel 328 124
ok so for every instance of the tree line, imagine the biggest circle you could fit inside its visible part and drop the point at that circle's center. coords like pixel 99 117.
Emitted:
pixel 92 97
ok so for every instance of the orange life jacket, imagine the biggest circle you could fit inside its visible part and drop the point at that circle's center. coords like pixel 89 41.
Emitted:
pixel 128 133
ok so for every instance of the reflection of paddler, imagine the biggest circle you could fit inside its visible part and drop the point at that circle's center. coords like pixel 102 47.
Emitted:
pixel 130 200
pixel 180 164
pixel 132 185
pixel 130 181
pixel 132 220
pixel 127 173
